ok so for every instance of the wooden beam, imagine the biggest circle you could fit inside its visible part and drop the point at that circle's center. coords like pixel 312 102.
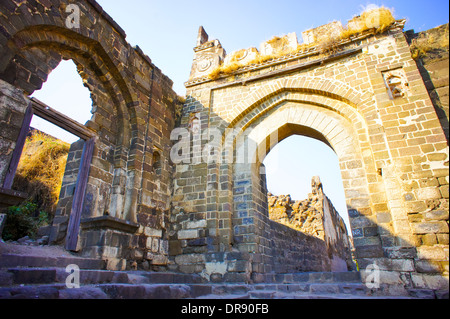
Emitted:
pixel 78 197
pixel 17 153
pixel 47 113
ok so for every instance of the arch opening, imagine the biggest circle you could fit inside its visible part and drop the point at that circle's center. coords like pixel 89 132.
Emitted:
pixel 65 93
pixel 332 236
pixel 294 162
pixel 50 164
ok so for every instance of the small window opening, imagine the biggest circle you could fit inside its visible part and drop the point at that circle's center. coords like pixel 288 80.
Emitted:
pixel 157 165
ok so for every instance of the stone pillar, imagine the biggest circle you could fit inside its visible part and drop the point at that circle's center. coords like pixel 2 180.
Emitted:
pixel 109 239
pixel 13 106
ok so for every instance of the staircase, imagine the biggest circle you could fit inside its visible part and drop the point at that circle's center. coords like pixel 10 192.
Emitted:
pixel 40 277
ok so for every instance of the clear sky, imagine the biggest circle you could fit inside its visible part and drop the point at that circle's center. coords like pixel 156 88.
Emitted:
pixel 167 31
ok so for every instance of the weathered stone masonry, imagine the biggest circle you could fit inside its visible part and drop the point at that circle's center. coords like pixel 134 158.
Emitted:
pixel 127 202
pixel 365 98
pixel 316 217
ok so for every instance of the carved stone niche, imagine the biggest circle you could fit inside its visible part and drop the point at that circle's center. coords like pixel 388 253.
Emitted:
pixel 396 83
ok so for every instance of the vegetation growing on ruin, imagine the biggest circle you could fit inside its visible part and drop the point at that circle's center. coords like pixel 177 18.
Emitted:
pixel 41 170
pixel 378 20
pixel 24 220
pixel 421 46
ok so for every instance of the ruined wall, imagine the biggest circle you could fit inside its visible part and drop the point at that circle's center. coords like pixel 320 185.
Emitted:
pixel 11 120
pixel 431 50
pixel 133 115
pixel 317 217
pixel 363 96
pixel 294 251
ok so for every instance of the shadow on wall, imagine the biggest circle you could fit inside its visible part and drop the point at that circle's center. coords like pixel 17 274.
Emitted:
pixel 237 220
pixel 392 265
pixel 317 217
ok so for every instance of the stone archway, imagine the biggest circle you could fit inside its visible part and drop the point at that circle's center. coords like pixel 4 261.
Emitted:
pixel 125 215
pixel 342 99
pixel 291 113
pixel 45 47
pixel 110 95
pixel 105 61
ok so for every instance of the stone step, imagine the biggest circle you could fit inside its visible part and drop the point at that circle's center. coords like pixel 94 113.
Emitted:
pixel 184 291
pixel 166 291
pixel 104 291
pixel 306 288
pixel 319 277
pixel 12 260
pixel 35 276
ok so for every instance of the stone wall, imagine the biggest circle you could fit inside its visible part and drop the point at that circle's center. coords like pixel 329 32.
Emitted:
pixel 366 99
pixel 133 114
pixel 11 120
pixel 294 251
pixel 362 95
pixel 317 217
pixel 64 206
pixel 432 60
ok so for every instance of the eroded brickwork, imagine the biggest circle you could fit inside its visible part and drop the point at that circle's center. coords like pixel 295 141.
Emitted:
pixel 433 64
pixel 133 114
pixel 363 95
pixel 317 217
pixel 366 98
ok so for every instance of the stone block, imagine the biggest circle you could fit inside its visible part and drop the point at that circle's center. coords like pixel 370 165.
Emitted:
pixel 196 224
pixel 428 281
pixel 402 265
pixel 175 248
pixel 443 239
pixel 431 253
pixel 188 234
pixel 150 232
pixel 400 252
pixel 430 228
pixel 369 251
pixel 427 266
pixel 429 239
pixel 437 215
pixel 428 193
pixel 190 259
pixel 421 293
pixel 159 260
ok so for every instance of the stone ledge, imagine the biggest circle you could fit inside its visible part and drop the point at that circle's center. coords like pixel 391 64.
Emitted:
pixel 108 222
pixel 10 198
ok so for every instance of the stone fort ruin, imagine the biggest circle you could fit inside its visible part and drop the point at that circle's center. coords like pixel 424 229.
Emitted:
pixel 127 203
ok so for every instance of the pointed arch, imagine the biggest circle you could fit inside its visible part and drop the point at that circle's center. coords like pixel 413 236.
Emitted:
pixel 36 50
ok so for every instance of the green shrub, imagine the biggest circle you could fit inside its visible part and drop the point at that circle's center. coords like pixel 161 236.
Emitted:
pixel 21 222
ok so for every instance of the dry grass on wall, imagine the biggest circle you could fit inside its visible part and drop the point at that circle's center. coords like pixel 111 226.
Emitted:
pixel 424 44
pixel 379 19
pixel 41 170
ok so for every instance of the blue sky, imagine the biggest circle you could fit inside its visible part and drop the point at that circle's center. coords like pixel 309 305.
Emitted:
pixel 167 31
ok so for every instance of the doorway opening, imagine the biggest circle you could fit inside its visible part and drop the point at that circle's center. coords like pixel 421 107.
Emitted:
pixel 306 193
pixel 53 153
pixel 293 163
